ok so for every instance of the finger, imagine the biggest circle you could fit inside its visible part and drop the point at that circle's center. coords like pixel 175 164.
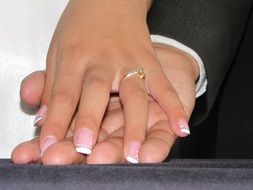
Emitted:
pixel 134 97
pixel 109 151
pixel 49 81
pixel 31 88
pixel 164 93
pixel 31 91
pixel 113 118
pixel 62 153
pixel 94 99
pixel 158 143
pixel 63 103
pixel 155 114
pixel 114 103
pixel 26 152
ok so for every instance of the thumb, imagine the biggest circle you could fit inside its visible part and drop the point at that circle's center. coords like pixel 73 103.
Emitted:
pixel 31 89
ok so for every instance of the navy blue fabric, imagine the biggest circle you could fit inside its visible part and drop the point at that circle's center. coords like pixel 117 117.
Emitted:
pixel 176 174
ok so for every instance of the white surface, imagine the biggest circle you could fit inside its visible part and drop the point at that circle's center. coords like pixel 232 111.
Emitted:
pixel 25 33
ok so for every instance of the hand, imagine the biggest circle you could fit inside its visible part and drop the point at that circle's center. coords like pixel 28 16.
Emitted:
pixel 93 47
pixel 180 69
pixel 109 149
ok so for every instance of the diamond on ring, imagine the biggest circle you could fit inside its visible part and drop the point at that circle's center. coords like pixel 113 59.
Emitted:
pixel 138 71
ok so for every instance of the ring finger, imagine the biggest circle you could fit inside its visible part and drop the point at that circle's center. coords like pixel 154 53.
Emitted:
pixel 134 97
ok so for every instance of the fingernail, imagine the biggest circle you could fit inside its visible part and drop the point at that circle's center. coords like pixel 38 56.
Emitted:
pixel 184 127
pixel 133 152
pixel 46 143
pixel 84 141
pixel 40 115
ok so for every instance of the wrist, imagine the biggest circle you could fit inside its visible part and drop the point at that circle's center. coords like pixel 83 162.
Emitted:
pixel 108 19
pixel 127 8
pixel 144 5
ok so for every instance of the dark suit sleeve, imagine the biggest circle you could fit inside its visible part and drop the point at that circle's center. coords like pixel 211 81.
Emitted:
pixel 213 28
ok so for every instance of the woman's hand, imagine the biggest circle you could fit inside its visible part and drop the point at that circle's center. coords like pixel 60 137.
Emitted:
pixel 180 69
pixel 109 148
pixel 96 43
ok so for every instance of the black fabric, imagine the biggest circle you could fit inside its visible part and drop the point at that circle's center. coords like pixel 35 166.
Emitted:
pixel 228 130
pixel 213 28
pixel 176 174
pixel 235 111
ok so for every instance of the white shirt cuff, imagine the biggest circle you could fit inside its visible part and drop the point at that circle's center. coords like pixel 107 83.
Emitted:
pixel 202 80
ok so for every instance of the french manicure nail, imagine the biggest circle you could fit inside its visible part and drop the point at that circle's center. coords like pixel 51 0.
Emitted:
pixel 184 127
pixel 133 152
pixel 46 143
pixel 84 141
pixel 40 115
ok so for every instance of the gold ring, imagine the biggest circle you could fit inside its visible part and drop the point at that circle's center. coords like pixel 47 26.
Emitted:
pixel 140 72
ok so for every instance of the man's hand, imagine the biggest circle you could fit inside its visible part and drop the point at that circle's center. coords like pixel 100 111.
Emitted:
pixel 182 72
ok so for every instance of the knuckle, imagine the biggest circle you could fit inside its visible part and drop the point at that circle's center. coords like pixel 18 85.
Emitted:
pixel 73 54
pixel 131 92
pixel 87 122
pixel 63 96
pixel 54 126
pixel 138 92
pixel 47 91
pixel 46 95
pixel 96 81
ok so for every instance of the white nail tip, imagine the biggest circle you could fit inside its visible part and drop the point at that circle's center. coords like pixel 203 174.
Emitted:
pixel 83 150
pixel 187 131
pixel 37 119
pixel 132 160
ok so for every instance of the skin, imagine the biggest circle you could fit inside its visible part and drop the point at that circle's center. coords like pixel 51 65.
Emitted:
pixel 180 69
pixel 93 47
